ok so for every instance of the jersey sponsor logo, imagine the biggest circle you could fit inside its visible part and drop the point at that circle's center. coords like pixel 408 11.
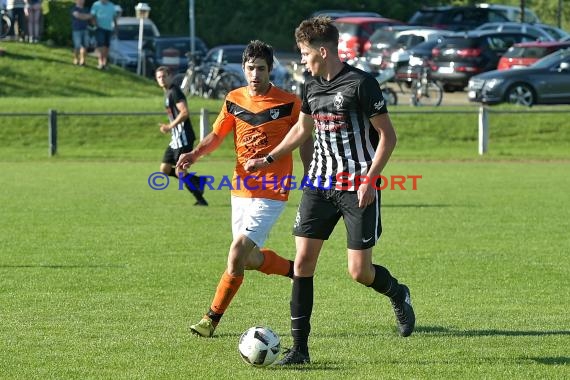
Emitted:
pixel 379 104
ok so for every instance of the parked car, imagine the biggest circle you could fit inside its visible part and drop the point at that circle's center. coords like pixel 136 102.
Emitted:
pixel 418 56
pixel 545 82
pixel 456 18
pixel 463 55
pixel 511 26
pixel 230 56
pixel 123 50
pixel 171 51
pixel 381 56
pixel 527 53
pixel 513 13
pixel 354 33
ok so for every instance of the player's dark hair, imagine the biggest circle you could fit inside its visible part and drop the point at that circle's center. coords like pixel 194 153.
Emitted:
pixel 258 49
pixel 317 31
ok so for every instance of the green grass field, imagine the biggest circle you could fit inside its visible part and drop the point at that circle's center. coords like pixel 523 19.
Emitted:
pixel 100 276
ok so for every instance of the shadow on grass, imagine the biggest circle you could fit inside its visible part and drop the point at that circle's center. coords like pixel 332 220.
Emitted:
pixel 560 360
pixel 443 331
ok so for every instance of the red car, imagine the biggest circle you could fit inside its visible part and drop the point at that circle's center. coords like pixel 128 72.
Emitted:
pixel 354 33
pixel 526 53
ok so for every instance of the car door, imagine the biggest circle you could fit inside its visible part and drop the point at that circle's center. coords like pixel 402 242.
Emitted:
pixel 557 84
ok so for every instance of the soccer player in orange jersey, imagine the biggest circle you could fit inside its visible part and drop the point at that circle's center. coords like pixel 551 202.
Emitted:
pixel 260 115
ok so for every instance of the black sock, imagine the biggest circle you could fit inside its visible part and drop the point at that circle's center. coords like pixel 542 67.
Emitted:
pixel 386 284
pixel 215 317
pixel 301 309
pixel 291 269
pixel 194 186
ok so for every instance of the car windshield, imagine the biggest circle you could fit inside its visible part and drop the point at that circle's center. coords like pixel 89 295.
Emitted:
pixel 526 52
pixel 131 32
pixel 551 59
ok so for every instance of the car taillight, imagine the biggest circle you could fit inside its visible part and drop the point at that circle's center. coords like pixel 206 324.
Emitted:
pixel 366 47
pixel 469 52
pixel 435 52
pixel 467 69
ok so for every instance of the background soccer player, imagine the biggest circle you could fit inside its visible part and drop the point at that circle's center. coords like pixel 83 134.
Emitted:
pixel 259 115
pixel 181 132
pixel 353 134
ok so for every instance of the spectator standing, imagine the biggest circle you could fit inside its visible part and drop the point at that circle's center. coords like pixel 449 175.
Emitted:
pixel 16 12
pixel 80 17
pixel 33 11
pixel 104 13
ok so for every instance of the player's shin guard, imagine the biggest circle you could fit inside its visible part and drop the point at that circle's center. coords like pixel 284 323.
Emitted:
pixel 386 284
pixel 225 292
pixel 301 309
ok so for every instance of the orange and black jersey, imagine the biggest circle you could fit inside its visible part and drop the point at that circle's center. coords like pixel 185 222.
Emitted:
pixel 259 124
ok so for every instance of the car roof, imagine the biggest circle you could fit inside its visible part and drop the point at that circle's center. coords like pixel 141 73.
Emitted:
pixel 545 44
pixel 359 20
pixel 482 33
pixel 424 32
pixel 337 13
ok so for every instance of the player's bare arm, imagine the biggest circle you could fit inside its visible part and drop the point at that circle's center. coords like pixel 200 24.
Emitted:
pixel 209 144
pixel 182 116
pixel 382 124
pixel 299 134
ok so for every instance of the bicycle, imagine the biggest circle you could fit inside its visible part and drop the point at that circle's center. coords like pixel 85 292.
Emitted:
pixel 5 23
pixel 425 91
pixel 216 83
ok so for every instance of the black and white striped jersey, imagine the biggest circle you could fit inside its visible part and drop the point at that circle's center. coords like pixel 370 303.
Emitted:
pixel 345 140
pixel 182 134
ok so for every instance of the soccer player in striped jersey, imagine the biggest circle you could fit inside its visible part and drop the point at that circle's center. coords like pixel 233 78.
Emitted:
pixel 181 132
pixel 259 115
pixel 354 139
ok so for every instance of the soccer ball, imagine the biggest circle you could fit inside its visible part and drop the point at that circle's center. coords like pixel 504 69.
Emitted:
pixel 259 346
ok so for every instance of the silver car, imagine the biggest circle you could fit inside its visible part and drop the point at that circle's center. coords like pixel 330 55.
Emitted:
pixel 123 50
pixel 547 81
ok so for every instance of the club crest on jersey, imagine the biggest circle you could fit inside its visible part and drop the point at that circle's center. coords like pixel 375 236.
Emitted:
pixel 338 100
pixel 274 113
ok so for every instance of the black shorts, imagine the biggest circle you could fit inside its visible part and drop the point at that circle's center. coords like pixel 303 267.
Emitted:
pixel 103 37
pixel 171 155
pixel 320 210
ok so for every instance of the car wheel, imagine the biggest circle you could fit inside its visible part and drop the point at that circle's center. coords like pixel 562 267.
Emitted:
pixel 521 94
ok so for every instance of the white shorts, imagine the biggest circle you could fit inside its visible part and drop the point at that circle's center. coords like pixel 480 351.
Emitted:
pixel 254 217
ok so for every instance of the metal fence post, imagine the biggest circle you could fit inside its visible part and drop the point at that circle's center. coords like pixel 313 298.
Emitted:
pixel 204 123
pixel 52 132
pixel 483 130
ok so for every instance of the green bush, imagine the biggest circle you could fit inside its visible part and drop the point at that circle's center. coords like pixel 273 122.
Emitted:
pixel 57 21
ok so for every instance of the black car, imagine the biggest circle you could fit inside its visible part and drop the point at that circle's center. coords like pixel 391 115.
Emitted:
pixel 547 81
pixel 456 18
pixel 465 54
pixel 172 52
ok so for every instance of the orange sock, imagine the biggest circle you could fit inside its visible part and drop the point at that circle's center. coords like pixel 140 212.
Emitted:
pixel 225 292
pixel 274 264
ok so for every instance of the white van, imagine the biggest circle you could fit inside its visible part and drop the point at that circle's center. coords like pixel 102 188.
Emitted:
pixel 513 13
